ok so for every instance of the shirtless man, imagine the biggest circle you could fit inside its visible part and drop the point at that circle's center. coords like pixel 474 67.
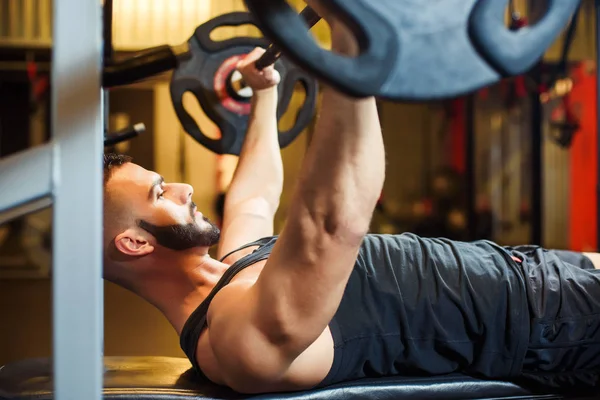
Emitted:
pixel 324 301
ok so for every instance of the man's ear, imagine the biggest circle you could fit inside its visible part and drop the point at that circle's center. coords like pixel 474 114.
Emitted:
pixel 133 243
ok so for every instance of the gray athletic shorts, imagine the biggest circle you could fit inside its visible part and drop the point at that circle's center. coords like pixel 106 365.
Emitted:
pixel 563 291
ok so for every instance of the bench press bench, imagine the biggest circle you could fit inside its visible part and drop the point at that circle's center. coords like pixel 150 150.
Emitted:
pixel 166 378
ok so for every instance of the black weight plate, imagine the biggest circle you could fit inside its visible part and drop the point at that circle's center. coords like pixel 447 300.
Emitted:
pixel 206 74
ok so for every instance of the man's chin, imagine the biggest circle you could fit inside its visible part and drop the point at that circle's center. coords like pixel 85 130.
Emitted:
pixel 204 224
pixel 210 231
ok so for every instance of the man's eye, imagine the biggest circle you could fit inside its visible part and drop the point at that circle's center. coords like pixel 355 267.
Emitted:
pixel 160 195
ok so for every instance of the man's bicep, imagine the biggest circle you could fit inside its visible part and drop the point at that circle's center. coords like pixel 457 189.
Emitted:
pixel 247 359
pixel 302 283
pixel 244 223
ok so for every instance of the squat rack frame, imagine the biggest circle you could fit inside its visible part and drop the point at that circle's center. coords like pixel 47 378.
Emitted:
pixel 66 173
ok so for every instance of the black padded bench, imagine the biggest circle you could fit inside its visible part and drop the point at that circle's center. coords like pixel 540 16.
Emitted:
pixel 164 378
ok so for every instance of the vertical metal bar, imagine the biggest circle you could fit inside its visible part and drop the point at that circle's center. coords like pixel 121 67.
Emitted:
pixel 470 181
pixel 77 228
pixel 536 9
pixel 597 5
pixel 107 29
pixel 537 174
pixel 495 168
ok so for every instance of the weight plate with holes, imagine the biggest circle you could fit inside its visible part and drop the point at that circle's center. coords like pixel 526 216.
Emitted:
pixel 207 74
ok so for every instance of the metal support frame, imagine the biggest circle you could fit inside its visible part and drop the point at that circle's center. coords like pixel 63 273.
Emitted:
pixel 67 173
pixel 537 9
pixel 537 170
pixel 77 127
pixel 25 182
pixel 470 182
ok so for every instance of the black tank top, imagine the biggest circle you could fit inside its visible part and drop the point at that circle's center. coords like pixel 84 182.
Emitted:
pixel 415 306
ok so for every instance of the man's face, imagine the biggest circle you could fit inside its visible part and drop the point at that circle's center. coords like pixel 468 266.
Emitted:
pixel 165 210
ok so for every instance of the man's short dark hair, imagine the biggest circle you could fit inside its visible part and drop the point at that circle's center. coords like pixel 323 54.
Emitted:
pixel 112 161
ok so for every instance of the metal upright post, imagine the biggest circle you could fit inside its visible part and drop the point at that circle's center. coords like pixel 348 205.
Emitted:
pixel 536 11
pixel 470 181
pixel 77 223
pixel 537 171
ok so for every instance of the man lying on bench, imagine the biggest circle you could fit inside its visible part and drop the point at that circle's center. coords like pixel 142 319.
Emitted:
pixel 326 302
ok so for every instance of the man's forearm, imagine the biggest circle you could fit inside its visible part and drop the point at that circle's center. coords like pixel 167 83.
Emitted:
pixel 303 282
pixel 260 169
pixel 345 165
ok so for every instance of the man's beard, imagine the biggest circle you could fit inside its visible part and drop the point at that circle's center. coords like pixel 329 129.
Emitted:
pixel 184 237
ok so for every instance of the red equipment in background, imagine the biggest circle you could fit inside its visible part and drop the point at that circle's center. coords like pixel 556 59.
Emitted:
pixel 583 159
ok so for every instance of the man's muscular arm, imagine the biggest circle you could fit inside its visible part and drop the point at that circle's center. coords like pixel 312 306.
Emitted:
pixel 253 196
pixel 302 283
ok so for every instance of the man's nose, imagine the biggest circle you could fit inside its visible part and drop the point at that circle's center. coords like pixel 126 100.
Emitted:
pixel 183 193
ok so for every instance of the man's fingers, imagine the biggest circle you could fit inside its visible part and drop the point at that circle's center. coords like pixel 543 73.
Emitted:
pixel 269 74
pixel 254 55
pixel 266 77
pixel 276 77
pixel 251 58
pixel 258 51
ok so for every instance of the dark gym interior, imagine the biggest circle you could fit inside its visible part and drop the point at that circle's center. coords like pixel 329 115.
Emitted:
pixel 515 162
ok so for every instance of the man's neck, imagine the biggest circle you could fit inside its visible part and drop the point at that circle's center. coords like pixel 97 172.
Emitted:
pixel 181 289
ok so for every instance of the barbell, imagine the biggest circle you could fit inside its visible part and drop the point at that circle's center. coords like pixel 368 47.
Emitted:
pixel 411 50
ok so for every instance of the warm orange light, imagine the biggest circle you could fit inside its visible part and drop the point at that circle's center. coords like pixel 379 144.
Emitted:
pixel 140 24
